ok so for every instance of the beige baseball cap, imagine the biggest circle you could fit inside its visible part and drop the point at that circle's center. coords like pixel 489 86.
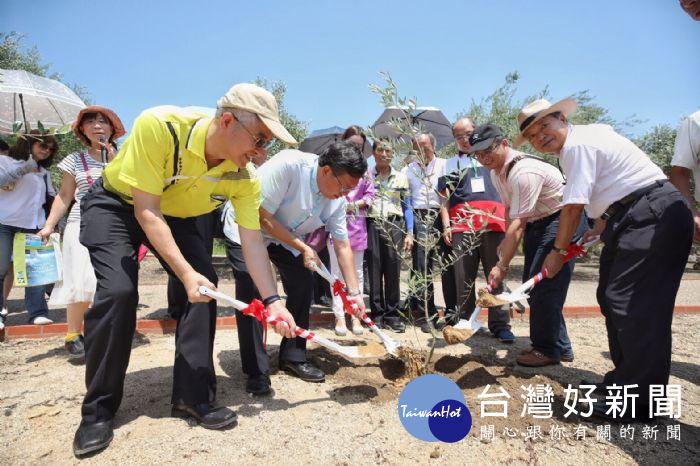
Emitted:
pixel 255 99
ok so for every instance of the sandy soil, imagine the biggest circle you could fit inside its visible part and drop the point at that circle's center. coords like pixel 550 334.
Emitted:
pixel 350 419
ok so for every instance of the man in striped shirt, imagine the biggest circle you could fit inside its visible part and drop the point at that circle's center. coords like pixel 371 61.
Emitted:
pixel 532 191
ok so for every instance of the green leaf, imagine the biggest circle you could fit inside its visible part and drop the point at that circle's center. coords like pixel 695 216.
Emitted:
pixel 16 126
pixel 40 125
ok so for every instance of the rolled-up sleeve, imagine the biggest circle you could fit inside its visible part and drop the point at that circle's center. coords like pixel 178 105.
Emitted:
pixel 579 163
pixel 275 176
pixel 336 225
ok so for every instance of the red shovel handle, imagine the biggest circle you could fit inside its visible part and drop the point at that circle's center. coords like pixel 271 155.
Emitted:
pixel 339 290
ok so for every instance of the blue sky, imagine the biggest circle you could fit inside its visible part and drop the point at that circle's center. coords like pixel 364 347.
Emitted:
pixel 636 56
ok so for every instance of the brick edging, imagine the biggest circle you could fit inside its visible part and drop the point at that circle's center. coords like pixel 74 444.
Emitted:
pixel 163 326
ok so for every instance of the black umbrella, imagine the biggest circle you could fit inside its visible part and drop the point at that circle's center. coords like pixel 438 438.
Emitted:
pixel 318 140
pixel 429 119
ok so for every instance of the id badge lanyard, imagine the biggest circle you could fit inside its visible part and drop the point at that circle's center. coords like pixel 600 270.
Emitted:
pixel 477 182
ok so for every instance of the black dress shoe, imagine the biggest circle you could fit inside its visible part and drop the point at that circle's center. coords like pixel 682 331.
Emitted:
pixel 91 437
pixel 205 415
pixel 304 370
pixel 600 409
pixel 258 385
pixel 394 325
pixel 599 388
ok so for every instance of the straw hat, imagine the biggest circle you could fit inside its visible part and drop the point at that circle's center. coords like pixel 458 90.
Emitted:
pixel 538 109
pixel 117 126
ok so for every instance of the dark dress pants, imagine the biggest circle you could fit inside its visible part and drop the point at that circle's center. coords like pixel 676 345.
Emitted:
pixel 112 235
pixel 295 280
pixel 427 222
pixel 466 269
pixel 547 327
pixel 384 245
pixel 641 266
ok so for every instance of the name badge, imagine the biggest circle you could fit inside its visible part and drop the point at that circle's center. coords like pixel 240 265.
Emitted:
pixel 478 184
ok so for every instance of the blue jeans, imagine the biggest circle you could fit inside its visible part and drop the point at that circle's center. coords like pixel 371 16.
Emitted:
pixel 547 327
pixel 33 295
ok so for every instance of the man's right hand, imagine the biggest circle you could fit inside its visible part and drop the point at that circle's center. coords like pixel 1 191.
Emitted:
pixel 192 280
pixel 310 258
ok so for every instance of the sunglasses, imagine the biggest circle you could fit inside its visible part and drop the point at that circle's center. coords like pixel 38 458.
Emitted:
pixel 260 143
pixel 47 146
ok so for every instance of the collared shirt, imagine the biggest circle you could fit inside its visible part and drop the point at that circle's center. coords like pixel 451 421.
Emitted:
pixel 289 191
pixel 21 202
pixel 533 189
pixel 149 162
pixel 423 183
pixel 389 193
pixel 602 167
pixel 686 153
pixel 464 202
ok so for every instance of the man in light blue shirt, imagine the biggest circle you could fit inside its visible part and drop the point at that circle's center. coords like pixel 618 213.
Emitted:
pixel 301 193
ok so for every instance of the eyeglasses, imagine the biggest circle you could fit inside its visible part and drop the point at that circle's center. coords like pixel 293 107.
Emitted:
pixel 459 137
pixel 260 143
pixel 343 189
pixel 482 154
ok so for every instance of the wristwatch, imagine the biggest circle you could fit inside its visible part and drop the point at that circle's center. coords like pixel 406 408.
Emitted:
pixel 559 251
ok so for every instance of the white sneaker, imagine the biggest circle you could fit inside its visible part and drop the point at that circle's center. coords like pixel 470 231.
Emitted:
pixel 3 312
pixel 41 320
pixel 340 329
pixel 356 326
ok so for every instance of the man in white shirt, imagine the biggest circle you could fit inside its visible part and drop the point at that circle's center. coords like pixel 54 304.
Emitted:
pixel 423 175
pixel 301 193
pixel 686 163
pixel 646 226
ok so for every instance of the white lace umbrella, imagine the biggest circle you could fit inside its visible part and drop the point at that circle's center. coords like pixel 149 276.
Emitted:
pixel 28 98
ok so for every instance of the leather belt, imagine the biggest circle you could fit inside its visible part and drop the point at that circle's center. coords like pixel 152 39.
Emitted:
pixel 616 206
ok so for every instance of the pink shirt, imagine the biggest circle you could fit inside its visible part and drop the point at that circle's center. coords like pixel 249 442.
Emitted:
pixel 533 189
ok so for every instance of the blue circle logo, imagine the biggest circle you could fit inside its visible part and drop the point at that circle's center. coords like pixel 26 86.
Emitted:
pixel 432 408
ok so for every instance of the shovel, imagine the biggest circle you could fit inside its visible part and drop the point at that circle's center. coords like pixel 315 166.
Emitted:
pixel 464 329
pixel 390 344
pixel 520 293
pixel 257 310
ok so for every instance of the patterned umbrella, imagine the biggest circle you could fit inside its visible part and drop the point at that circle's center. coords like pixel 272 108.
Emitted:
pixel 430 119
pixel 28 98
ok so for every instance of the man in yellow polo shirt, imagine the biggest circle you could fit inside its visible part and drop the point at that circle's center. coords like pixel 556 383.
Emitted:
pixel 175 166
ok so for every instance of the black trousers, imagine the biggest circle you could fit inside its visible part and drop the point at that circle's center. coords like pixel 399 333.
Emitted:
pixel 321 288
pixel 177 296
pixel 465 271
pixel 548 331
pixel 384 243
pixel 641 266
pixel 295 280
pixel 427 221
pixel 112 235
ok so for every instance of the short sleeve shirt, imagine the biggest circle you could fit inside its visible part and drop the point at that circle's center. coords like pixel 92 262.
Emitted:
pixel 533 189
pixel 73 165
pixel 602 167
pixel 289 191
pixel 423 183
pixel 165 156
pixel 686 153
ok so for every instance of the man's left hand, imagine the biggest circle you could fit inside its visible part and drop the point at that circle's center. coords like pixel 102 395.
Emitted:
pixel 287 327
pixel 553 264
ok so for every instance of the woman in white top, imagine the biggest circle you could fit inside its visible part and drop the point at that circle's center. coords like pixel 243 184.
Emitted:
pixel 97 128
pixel 25 187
